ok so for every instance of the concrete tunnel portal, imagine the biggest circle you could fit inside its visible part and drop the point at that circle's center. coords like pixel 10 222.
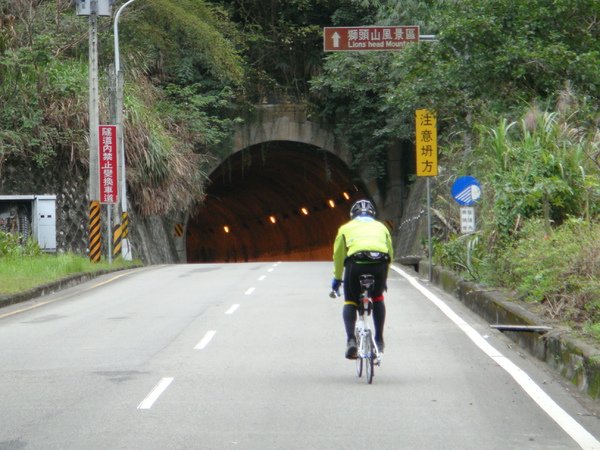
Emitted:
pixel 279 200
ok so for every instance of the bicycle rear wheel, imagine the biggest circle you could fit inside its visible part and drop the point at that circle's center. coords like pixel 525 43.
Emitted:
pixel 370 350
pixel 359 360
pixel 359 366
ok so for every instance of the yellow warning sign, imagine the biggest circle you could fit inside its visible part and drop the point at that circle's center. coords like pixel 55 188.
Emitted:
pixel 426 143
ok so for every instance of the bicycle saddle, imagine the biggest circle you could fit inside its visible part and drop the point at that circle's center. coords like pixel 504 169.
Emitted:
pixel 367 281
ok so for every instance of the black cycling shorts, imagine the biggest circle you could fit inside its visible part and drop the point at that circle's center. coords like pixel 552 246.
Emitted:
pixel 354 269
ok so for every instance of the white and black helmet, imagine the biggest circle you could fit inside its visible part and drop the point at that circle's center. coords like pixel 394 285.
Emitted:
pixel 362 208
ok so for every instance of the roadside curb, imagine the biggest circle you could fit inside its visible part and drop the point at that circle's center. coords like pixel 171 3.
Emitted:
pixel 575 360
pixel 55 286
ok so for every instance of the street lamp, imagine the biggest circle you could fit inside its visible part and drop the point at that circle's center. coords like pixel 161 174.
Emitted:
pixel 125 249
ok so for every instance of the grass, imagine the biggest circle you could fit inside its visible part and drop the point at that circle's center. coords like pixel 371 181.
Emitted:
pixel 21 273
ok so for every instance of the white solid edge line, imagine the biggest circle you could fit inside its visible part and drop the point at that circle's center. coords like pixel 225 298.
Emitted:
pixel 249 291
pixel 559 415
pixel 205 340
pixel 162 385
pixel 232 309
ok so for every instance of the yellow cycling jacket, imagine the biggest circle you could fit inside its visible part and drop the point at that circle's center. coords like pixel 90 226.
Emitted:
pixel 359 235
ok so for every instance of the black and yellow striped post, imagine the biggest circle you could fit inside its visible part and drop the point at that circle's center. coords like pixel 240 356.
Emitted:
pixel 178 230
pixel 94 232
pixel 124 224
pixel 117 239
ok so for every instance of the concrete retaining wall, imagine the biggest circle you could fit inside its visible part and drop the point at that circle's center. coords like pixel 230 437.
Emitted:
pixel 575 360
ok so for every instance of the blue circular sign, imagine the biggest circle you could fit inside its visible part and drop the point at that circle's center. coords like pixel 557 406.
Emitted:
pixel 466 191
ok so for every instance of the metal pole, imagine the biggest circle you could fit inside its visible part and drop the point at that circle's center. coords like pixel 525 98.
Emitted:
pixel 125 249
pixel 429 225
pixel 109 232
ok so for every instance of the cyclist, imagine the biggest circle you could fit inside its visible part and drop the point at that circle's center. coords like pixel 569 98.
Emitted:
pixel 362 246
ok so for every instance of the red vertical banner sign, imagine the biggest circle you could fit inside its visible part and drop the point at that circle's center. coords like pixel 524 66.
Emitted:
pixel 107 136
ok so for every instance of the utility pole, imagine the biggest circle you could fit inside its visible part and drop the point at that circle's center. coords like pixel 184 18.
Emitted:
pixel 95 240
pixel 93 104
pixel 92 9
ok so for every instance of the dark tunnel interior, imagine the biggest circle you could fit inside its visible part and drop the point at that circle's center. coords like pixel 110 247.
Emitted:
pixel 279 200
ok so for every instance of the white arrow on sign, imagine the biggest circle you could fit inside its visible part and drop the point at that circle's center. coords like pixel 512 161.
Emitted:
pixel 336 39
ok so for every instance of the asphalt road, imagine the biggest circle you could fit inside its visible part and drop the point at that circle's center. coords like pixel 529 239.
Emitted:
pixel 250 356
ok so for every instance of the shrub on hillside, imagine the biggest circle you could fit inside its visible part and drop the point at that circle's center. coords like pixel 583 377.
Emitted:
pixel 561 270
pixel 13 245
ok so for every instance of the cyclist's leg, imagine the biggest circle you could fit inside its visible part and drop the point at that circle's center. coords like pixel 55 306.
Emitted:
pixel 349 315
pixel 352 272
pixel 351 296
pixel 379 272
pixel 379 321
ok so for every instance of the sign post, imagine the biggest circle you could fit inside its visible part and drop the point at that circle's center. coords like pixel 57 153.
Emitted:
pixel 427 161
pixel 466 192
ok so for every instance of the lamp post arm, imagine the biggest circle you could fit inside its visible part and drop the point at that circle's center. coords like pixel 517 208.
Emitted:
pixel 116 33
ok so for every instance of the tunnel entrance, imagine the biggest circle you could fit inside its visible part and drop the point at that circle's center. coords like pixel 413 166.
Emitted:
pixel 279 200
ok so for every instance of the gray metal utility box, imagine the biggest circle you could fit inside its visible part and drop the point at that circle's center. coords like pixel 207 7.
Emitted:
pixel 30 215
pixel 84 7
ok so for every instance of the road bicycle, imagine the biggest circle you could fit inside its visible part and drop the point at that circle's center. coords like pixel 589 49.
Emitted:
pixel 368 355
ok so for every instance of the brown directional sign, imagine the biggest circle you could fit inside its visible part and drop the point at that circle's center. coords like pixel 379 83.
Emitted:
pixel 348 39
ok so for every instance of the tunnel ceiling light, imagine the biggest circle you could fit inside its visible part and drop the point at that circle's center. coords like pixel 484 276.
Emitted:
pixel 304 211
pixel 346 196
pixel 226 229
pixel 331 203
pixel 272 219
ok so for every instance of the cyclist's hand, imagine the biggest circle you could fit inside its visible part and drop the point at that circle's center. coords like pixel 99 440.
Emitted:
pixel 335 286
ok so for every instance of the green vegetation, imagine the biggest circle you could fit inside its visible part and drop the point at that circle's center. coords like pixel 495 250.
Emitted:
pixel 182 71
pixel 516 88
pixel 539 227
pixel 23 267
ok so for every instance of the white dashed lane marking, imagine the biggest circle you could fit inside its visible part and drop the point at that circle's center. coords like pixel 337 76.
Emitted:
pixel 205 340
pixel 162 385
pixel 232 309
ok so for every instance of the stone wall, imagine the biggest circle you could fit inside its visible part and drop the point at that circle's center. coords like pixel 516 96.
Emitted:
pixel 411 233
pixel 152 239
pixel 70 187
